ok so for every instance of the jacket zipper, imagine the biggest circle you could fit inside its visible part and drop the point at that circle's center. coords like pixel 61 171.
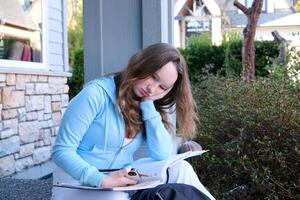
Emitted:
pixel 119 150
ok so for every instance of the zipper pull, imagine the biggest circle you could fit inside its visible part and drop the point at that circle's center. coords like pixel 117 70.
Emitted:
pixel 121 150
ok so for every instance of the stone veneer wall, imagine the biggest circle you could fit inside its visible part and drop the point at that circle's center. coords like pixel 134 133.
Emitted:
pixel 31 107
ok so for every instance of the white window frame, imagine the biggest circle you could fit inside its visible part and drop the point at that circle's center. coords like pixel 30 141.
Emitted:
pixel 5 63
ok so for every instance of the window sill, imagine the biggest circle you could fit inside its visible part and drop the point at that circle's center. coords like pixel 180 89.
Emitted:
pixel 7 70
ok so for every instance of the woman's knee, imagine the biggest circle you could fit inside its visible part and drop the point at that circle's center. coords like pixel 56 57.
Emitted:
pixel 182 167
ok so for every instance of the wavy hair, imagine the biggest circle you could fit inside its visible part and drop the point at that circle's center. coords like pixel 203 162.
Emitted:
pixel 144 64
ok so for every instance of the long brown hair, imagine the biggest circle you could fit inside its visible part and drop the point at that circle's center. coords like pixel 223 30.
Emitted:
pixel 144 64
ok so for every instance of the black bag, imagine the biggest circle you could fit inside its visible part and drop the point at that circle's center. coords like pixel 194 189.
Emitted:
pixel 170 191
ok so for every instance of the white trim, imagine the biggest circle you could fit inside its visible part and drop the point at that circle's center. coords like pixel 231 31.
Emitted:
pixel 164 21
pixel 65 35
pixel 101 39
pixel 45 47
pixel 38 71
pixel 270 6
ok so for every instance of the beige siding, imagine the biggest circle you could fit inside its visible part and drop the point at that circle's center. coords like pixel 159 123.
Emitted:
pixel 56 36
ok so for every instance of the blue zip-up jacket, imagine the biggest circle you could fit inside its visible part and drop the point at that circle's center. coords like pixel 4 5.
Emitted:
pixel 92 131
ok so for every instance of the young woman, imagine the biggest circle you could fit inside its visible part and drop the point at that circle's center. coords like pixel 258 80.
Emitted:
pixel 112 116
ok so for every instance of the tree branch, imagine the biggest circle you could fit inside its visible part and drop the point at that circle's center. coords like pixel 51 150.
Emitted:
pixel 240 6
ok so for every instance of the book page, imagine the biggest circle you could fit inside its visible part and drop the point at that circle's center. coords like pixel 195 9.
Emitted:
pixel 156 170
pixel 139 186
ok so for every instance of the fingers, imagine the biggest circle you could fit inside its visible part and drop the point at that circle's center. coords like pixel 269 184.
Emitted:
pixel 125 172
pixel 129 181
pixel 118 178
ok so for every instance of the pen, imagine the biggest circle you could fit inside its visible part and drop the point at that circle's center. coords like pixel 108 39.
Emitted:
pixel 133 172
pixel 108 170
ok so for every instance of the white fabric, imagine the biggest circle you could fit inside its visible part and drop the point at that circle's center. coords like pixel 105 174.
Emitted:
pixel 127 141
pixel 182 172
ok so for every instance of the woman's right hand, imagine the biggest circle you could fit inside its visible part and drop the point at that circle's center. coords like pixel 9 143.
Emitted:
pixel 118 179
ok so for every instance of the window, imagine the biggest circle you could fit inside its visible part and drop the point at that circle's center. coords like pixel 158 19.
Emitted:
pixel 22 33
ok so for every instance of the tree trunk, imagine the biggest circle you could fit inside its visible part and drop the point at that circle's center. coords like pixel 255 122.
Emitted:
pixel 282 48
pixel 248 50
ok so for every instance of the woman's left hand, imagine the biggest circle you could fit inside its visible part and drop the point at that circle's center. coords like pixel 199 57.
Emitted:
pixel 118 179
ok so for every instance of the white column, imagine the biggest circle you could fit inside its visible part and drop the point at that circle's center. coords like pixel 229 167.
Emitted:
pixel 216 30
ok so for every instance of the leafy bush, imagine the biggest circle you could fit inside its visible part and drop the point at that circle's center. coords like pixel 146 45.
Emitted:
pixel 77 80
pixel 233 57
pixel 252 132
pixel 203 58
pixel 204 39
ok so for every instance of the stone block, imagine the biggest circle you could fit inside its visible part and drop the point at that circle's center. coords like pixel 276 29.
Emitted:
pixel 20 82
pixel 35 102
pixel 47 116
pixel 12 98
pixel 34 78
pixel 55 89
pixel 41 88
pixel 66 89
pixel 28 77
pixel 40 115
pixel 57 80
pixel 10 79
pixel 42 78
pixel 29 88
pixel 9 146
pixel 7 165
pixel 56 106
pixel 29 131
pixel 26 150
pixel 55 97
pixel 7 133
pixel 45 136
pixel 2 77
pixel 10 113
pixel 47 105
pixel 64 100
pixel 23 163
pixel 22 114
pixel 11 124
pixel 44 124
pixel 41 154
pixel 56 117
pixel 31 116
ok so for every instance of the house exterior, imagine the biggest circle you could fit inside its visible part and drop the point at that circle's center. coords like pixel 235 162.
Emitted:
pixel 33 83
pixel 276 15
pixel 34 67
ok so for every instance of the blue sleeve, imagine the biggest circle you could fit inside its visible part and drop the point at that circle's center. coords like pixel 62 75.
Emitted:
pixel 158 139
pixel 76 120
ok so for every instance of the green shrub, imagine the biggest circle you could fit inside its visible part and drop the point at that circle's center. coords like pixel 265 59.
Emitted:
pixel 252 132
pixel 77 80
pixel 203 58
pixel 233 57
pixel 204 39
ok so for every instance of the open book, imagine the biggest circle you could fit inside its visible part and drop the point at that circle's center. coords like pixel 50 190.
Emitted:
pixel 156 172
